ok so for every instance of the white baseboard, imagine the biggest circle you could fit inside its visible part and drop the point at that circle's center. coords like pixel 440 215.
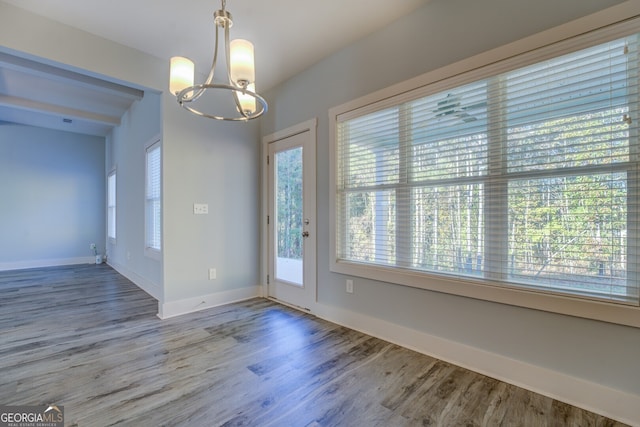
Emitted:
pixel 603 400
pixel 146 285
pixel 40 263
pixel 191 305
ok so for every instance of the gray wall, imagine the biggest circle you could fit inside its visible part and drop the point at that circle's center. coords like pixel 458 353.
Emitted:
pixel 440 33
pixel 126 154
pixel 214 163
pixel 52 196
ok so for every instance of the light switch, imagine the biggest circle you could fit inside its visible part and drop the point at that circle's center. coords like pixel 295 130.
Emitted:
pixel 200 208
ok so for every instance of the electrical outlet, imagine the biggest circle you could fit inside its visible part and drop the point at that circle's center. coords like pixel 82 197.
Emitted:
pixel 212 274
pixel 349 286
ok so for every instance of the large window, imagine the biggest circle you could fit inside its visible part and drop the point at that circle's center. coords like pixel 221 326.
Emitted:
pixel 111 206
pixel 153 201
pixel 525 178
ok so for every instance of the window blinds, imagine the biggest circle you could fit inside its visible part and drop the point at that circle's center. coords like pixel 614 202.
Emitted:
pixel 525 178
pixel 153 208
pixel 111 206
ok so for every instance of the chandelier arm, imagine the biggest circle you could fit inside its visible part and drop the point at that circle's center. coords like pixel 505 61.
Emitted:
pixel 227 51
pixel 201 87
pixel 197 94
pixel 215 60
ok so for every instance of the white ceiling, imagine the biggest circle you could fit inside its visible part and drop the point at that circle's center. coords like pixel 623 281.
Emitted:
pixel 288 35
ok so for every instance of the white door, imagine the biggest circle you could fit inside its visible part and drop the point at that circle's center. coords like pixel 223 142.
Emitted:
pixel 291 276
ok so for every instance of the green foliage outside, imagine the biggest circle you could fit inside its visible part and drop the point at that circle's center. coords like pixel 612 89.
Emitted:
pixel 289 203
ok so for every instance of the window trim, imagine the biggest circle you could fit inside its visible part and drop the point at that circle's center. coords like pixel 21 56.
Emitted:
pixel 600 27
pixel 153 253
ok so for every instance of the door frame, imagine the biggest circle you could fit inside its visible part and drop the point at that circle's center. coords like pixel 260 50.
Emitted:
pixel 307 126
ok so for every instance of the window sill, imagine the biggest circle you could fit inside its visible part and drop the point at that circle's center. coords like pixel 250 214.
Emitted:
pixel 605 311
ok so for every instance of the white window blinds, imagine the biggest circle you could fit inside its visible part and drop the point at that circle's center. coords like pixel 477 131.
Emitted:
pixel 153 201
pixel 111 205
pixel 527 178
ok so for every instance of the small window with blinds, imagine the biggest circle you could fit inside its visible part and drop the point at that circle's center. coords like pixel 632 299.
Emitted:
pixel 153 199
pixel 524 179
pixel 111 206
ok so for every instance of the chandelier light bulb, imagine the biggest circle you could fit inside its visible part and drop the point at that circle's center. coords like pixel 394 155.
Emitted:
pixel 248 102
pixel 242 66
pixel 181 74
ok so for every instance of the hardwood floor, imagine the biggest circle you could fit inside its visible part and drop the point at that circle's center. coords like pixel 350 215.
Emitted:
pixel 86 338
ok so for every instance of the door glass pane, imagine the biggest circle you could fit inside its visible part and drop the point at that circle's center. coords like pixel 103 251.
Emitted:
pixel 288 224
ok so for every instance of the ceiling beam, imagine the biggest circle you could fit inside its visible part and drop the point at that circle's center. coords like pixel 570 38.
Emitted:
pixel 60 74
pixel 57 110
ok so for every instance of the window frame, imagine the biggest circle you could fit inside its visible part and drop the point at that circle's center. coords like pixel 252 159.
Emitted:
pixel 577 35
pixel 150 251
pixel 112 209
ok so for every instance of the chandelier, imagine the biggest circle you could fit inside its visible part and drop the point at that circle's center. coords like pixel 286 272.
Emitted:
pixel 239 88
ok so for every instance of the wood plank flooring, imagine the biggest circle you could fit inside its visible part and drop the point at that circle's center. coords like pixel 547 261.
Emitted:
pixel 86 338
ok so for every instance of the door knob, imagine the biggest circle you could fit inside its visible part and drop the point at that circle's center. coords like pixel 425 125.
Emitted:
pixel 305 234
